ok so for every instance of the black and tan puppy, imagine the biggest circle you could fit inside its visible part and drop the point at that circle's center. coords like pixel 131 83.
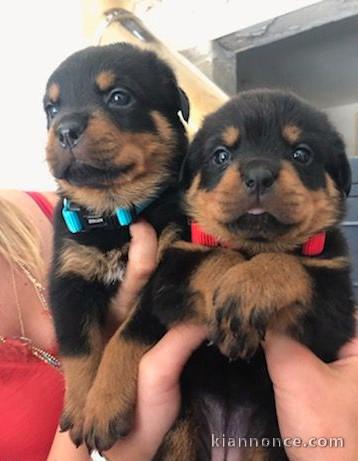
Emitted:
pixel 266 177
pixel 115 145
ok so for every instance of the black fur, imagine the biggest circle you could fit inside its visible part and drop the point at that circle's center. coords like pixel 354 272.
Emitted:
pixel 260 115
pixel 155 88
pixel 99 102
pixel 218 395
pixel 242 389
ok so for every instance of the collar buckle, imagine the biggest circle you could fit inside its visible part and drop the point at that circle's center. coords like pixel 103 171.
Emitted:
pixel 78 219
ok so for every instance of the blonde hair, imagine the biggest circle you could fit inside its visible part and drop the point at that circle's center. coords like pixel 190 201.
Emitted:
pixel 19 239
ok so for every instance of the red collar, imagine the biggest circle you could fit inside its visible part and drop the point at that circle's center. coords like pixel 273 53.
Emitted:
pixel 313 247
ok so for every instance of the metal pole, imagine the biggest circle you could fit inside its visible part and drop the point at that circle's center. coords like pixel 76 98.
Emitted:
pixel 113 21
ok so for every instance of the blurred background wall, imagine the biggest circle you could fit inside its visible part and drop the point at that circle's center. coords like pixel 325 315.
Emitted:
pixel 36 36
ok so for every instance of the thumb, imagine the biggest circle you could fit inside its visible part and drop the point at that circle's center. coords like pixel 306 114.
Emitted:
pixel 142 250
pixel 141 263
pixel 290 362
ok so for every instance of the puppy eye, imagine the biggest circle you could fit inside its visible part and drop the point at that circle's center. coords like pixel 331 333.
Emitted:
pixel 51 111
pixel 119 97
pixel 302 154
pixel 221 156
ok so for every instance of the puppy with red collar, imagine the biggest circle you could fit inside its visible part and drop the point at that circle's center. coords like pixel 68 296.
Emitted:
pixel 265 182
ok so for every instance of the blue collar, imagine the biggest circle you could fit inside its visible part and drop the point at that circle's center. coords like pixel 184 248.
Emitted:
pixel 79 219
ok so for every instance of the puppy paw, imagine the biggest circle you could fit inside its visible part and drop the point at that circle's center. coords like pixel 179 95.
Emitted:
pixel 239 322
pixel 72 421
pixel 234 336
pixel 107 419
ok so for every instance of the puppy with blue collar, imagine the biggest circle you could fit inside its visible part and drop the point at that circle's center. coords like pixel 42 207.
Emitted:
pixel 115 146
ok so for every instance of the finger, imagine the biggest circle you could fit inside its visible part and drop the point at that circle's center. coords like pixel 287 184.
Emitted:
pixel 350 349
pixel 347 362
pixel 290 362
pixel 143 249
pixel 158 381
pixel 141 263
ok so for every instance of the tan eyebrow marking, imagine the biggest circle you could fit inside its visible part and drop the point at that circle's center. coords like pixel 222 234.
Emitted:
pixel 53 92
pixel 230 135
pixel 164 128
pixel 291 133
pixel 105 80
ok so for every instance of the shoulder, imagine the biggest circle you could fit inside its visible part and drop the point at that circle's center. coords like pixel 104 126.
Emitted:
pixel 22 200
pixel 17 206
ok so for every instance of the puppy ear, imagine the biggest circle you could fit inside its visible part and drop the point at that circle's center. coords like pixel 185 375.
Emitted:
pixel 345 175
pixel 183 169
pixel 191 161
pixel 184 105
pixel 340 169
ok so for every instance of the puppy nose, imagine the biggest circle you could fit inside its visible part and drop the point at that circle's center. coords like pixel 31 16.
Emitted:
pixel 70 129
pixel 258 179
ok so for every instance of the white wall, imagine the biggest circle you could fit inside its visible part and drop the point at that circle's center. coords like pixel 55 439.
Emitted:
pixel 188 23
pixel 34 37
pixel 345 118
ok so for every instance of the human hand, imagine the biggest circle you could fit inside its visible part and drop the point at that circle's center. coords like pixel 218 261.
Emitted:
pixel 158 399
pixel 315 399
pixel 158 394
pixel 142 261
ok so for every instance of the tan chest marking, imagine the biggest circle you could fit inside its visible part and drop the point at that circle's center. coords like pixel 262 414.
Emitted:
pixel 92 264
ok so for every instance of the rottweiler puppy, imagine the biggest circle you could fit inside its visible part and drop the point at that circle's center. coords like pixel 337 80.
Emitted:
pixel 264 182
pixel 115 146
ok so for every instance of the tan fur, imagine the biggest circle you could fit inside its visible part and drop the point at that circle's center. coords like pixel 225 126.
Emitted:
pixel 167 238
pixel 164 128
pixel 291 202
pixel 315 210
pixel 171 238
pixel 291 133
pixel 274 288
pixel 113 394
pixel 269 281
pixel 187 246
pixel 179 443
pixel 210 208
pixel 339 262
pixel 91 263
pixel 287 321
pixel 105 80
pixel 256 454
pixel 80 372
pixel 206 278
pixel 230 136
pixel 146 155
pixel 53 92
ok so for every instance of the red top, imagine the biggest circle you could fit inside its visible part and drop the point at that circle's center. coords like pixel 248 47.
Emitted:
pixel 31 394
pixel 45 206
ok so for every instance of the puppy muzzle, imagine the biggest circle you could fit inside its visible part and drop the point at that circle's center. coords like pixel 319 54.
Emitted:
pixel 70 129
pixel 259 177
